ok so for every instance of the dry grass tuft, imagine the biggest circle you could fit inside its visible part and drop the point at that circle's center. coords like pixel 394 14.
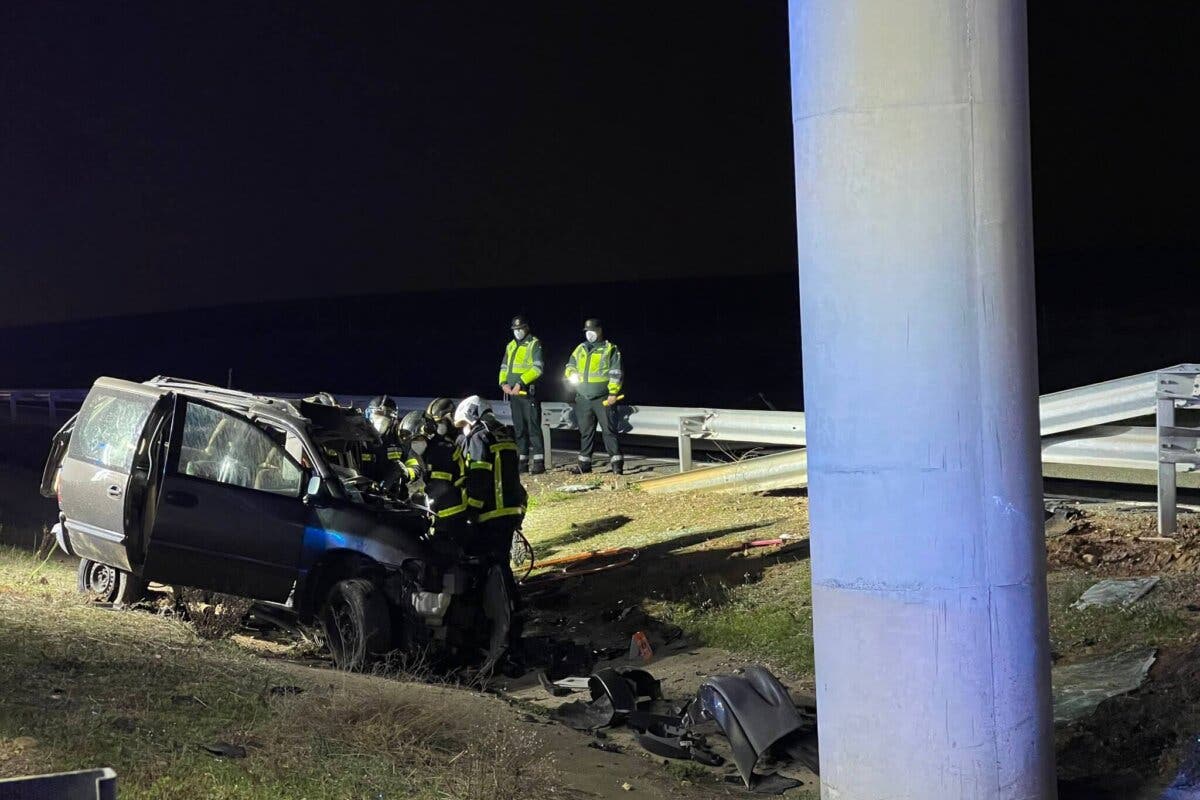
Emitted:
pixel 213 615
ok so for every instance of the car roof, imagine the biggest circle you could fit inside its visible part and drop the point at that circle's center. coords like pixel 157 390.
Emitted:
pixel 251 404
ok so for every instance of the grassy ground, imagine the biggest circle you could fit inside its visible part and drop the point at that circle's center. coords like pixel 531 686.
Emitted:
pixel 88 687
pixel 761 606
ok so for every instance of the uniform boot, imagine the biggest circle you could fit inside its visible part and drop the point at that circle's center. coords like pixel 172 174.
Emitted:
pixel 523 465
pixel 583 468
pixel 618 466
pixel 537 466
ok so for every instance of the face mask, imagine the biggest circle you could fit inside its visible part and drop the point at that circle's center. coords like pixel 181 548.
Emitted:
pixel 380 422
pixel 442 429
pixel 591 336
pixel 418 446
pixel 518 333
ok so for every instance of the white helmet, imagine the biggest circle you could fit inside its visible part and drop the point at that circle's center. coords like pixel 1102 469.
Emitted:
pixel 470 411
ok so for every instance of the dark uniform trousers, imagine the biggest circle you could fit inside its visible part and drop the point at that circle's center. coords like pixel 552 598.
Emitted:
pixel 527 426
pixel 587 413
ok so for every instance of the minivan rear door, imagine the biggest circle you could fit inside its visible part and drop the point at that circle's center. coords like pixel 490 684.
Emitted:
pixel 58 451
pixel 231 514
pixel 108 432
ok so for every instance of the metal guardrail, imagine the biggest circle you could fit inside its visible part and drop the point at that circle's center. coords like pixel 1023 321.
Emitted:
pixel 1084 411
pixel 1097 404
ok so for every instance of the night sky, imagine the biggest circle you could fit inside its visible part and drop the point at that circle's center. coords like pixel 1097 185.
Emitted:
pixel 158 156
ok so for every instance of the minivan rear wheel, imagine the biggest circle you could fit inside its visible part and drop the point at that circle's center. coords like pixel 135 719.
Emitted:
pixel 356 623
pixel 107 584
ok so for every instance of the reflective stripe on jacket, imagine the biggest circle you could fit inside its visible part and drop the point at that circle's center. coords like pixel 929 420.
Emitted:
pixel 444 480
pixel 493 473
pixel 522 362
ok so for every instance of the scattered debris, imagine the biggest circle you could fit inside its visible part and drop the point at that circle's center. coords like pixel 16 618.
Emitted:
pixel 768 784
pixel 552 688
pixel 607 747
pixel 754 711
pixel 1080 688
pixel 1115 591
pixel 225 750
pixel 576 488
pixel 615 695
pixel 639 648
pixel 1062 519
pixel 278 690
pixel 627 786
pixel 577 564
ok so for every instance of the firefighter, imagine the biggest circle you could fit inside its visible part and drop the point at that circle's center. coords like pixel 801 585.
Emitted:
pixel 519 372
pixel 495 497
pixel 496 506
pixel 441 467
pixel 384 463
pixel 595 372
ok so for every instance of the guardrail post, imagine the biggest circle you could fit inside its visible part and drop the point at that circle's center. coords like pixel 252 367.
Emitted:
pixel 1178 387
pixel 12 407
pixel 1167 511
pixel 685 446
pixel 52 407
pixel 547 447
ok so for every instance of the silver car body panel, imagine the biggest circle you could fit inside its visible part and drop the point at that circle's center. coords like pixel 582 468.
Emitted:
pixel 96 468
pixel 94 494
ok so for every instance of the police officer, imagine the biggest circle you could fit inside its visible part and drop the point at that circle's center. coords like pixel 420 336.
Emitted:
pixel 519 372
pixel 595 372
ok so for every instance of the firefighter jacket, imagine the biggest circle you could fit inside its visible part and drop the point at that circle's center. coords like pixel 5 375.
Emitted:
pixel 493 481
pixel 598 365
pixel 384 461
pixel 522 364
pixel 445 474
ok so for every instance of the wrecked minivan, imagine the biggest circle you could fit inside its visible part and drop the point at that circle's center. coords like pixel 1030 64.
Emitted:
pixel 191 485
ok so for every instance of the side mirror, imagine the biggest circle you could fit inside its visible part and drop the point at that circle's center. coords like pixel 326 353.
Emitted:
pixel 314 487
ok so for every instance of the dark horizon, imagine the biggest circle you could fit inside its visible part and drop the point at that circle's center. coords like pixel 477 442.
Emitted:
pixel 231 160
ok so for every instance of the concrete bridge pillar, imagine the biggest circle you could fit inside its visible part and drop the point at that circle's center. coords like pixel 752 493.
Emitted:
pixel 911 122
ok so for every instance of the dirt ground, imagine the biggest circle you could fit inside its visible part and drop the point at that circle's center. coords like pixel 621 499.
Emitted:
pixel 584 771
pixel 712 598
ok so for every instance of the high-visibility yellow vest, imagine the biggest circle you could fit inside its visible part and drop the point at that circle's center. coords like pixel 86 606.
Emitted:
pixel 522 361
pixel 602 364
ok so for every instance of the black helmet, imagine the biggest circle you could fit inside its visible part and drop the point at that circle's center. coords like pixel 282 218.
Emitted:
pixel 414 423
pixel 520 321
pixel 440 408
pixel 381 413
pixel 592 324
pixel 382 401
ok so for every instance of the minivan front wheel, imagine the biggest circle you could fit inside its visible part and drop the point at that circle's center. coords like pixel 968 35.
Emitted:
pixel 356 624
pixel 107 584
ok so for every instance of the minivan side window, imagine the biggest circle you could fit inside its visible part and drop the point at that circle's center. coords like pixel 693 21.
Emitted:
pixel 228 449
pixel 109 428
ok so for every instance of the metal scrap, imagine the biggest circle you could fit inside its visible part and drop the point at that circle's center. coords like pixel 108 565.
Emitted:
pixel 1080 688
pixel 1115 591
